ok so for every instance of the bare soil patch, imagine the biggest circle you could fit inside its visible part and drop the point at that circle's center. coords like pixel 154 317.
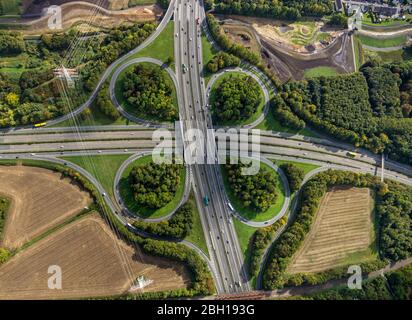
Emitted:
pixel 96 17
pixel 93 261
pixel 40 200
pixel 342 231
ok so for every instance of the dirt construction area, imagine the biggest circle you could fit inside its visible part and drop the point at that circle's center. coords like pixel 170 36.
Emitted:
pixel 93 263
pixel 88 17
pixel 342 232
pixel 40 200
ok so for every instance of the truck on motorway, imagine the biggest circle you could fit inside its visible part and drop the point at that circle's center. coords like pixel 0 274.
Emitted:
pixel 230 207
pixel 206 200
pixel 39 125
pixel 351 154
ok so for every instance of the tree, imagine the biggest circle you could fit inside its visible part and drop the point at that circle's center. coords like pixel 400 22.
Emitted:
pixel 4 255
pixel 294 175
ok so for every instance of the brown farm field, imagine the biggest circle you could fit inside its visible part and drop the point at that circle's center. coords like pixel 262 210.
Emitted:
pixel 93 261
pixel 342 232
pixel 40 200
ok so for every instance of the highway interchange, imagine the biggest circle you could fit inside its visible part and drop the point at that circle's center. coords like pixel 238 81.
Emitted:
pixel 226 258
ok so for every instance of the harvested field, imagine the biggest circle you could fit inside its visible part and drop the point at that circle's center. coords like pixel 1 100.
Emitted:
pixel 93 261
pixel 341 233
pixel 40 200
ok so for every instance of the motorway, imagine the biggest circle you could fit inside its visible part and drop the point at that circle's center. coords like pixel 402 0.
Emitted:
pixel 218 227
pixel 226 259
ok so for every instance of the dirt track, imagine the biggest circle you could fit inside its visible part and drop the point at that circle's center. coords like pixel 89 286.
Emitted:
pixel 40 200
pixel 94 263
pixel 342 228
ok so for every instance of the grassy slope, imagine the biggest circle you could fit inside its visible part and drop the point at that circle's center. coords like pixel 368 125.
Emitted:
pixel 249 213
pixel 128 198
pixel 161 48
pixel 196 235
pixel 381 42
pixel 307 167
pixel 320 71
pixel 208 53
pixel 103 168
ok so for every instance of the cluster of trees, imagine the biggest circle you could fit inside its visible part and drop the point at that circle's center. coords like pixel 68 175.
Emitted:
pixel 369 109
pixel 259 242
pixel 178 226
pixel 374 289
pixel 222 60
pixel 338 19
pixel 148 89
pixel 395 215
pixel 281 9
pixel 11 43
pixel 257 192
pixel 236 99
pixel 294 175
pixel 400 283
pixel 155 185
pixel 105 104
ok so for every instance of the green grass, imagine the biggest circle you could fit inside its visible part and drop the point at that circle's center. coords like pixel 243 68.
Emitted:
pixel 367 21
pixel 271 124
pixel 10 7
pixel 196 235
pixel 320 71
pixel 102 167
pixel 127 193
pixel 307 167
pixel 129 108
pixel 245 234
pixel 162 48
pixel 208 53
pixel 238 75
pixel 358 52
pixel 382 42
pixel 249 213
pixel 133 3
pixel 96 118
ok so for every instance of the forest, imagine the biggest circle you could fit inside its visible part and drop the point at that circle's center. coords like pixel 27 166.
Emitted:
pixel 294 175
pixel 29 92
pixel 155 185
pixel 281 9
pixel 257 192
pixel 236 99
pixel 149 91
pixel 370 109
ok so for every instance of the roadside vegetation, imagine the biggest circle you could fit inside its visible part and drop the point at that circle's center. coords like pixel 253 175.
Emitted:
pixel 4 207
